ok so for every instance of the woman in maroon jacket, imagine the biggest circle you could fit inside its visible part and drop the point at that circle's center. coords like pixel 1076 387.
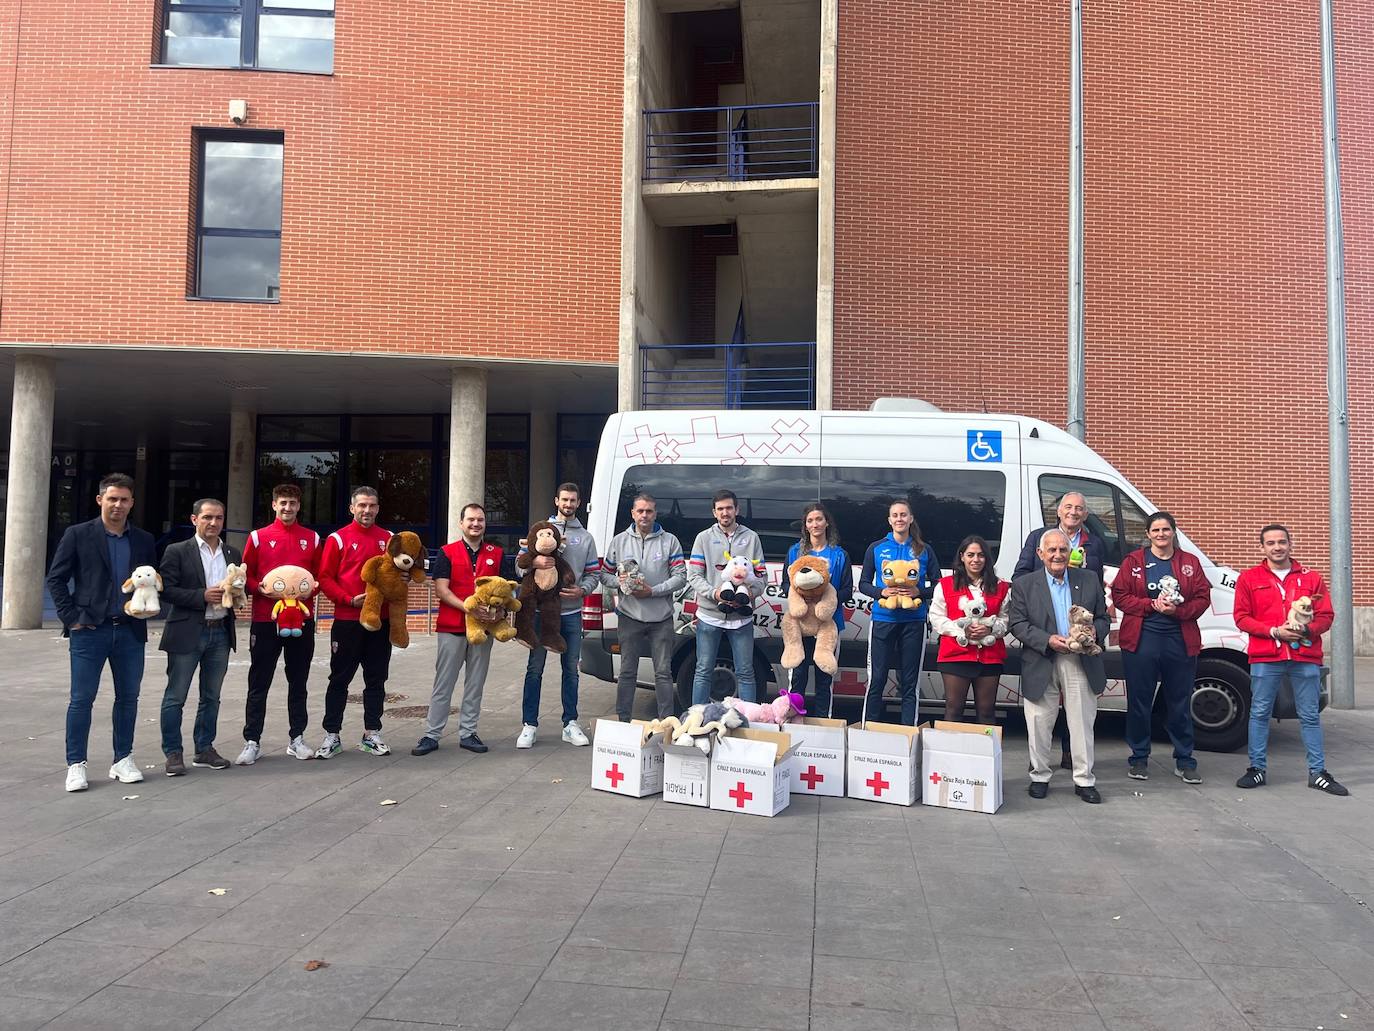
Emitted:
pixel 1160 641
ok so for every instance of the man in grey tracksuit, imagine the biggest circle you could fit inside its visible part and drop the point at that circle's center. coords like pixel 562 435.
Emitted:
pixel 643 568
pixel 579 551
pixel 716 547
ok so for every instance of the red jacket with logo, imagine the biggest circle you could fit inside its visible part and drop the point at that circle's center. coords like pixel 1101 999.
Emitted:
pixel 341 566
pixel 1262 602
pixel 463 580
pixel 277 545
pixel 950 650
pixel 1130 594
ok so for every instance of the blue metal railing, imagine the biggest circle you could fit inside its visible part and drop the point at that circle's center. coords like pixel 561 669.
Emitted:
pixel 731 144
pixel 774 375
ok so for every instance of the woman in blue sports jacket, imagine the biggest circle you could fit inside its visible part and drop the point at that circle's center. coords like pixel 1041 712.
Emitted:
pixel 821 538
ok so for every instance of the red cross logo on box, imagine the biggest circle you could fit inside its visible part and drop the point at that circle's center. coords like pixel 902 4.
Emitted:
pixel 935 778
pixel 614 775
pixel 812 778
pixel 740 795
pixel 877 783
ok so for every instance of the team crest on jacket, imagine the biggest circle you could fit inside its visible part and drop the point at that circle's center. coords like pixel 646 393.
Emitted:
pixel 303 543
pixel 1188 570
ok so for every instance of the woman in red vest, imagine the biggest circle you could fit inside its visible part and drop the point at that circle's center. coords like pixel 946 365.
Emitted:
pixel 978 660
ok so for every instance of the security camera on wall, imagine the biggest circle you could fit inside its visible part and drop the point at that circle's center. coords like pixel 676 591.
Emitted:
pixel 238 111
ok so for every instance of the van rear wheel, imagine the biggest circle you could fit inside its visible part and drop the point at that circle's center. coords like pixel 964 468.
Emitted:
pixel 723 681
pixel 1221 706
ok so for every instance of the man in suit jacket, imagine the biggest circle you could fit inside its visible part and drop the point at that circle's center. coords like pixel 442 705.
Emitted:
pixel 199 632
pixel 1038 612
pixel 86 580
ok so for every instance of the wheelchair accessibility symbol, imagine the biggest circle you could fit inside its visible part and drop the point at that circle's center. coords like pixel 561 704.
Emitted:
pixel 985 445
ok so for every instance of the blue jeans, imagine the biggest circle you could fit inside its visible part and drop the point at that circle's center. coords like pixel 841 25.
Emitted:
pixel 90 650
pixel 570 626
pixel 1163 660
pixel 1306 678
pixel 212 656
pixel 741 654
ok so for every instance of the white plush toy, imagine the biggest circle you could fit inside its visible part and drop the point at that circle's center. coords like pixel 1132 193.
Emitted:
pixel 235 579
pixel 1169 592
pixel 145 583
pixel 734 596
pixel 975 609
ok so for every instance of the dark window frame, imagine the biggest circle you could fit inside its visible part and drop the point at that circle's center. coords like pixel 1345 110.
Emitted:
pixel 200 231
pixel 250 13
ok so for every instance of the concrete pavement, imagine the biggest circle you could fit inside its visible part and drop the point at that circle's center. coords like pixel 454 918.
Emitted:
pixel 502 892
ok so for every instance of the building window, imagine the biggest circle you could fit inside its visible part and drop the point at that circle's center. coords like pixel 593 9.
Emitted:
pixel 238 217
pixel 281 35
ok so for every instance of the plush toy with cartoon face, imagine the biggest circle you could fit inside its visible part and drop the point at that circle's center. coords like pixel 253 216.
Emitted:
pixel 145 583
pixel 810 612
pixel 233 584
pixel 734 598
pixel 386 577
pixel 899 572
pixel 536 624
pixel 291 587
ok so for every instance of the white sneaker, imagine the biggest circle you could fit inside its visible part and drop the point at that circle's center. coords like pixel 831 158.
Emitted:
pixel 372 742
pixel 249 755
pixel 126 771
pixel 526 738
pixel 298 749
pixel 329 747
pixel 76 777
pixel 573 735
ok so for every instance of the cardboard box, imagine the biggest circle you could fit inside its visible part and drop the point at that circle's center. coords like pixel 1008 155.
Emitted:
pixel 884 762
pixel 627 759
pixel 818 752
pixel 686 774
pixel 751 772
pixel 962 766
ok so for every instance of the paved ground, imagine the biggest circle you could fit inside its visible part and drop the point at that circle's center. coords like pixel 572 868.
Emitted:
pixel 501 892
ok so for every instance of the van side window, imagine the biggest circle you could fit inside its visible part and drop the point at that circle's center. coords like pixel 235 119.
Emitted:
pixel 1112 516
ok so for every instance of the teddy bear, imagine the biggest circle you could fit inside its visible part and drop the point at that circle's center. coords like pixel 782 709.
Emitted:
pixel 145 582
pixel 1300 614
pixel 492 592
pixel 810 612
pixel 975 613
pixel 1169 592
pixel 536 624
pixel 783 709
pixel 901 573
pixel 734 596
pixel 292 587
pixel 700 725
pixel 235 577
pixel 386 576
pixel 1082 634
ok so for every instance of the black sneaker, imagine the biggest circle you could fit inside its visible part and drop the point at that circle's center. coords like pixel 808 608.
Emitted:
pixel 1140 770
pixel 210 760
pixel 1323 781
pixel 176 765
pixel 1188 774
pixel 472 743
pixel 1089 794
pixel 424 746
pixel 1251 778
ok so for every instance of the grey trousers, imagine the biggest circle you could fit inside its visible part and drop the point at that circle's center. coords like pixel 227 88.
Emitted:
pixel 638 639
pixel 454 652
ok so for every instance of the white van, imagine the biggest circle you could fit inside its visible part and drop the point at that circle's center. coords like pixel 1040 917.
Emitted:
pixel 994 475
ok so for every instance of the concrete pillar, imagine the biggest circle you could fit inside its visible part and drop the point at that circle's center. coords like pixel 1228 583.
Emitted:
pixel 543 461
pixel 26 498
pixel 243 460
pixel 467 444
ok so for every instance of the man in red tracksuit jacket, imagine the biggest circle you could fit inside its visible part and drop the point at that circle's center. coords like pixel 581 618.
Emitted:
pixel 285 542
pixel 350 643
pixel 1264 596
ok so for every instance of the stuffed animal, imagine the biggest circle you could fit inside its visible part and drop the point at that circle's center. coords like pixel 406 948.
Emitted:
pixel 783 709
pixel 386 576
pixel 901 573
pixel 1169 592
pixel 975 613
pixel 629 577
pixel 1082 634
pixel 701 724
pixel 810 612
pixel 1077 557
pixel 292 587
pixel 734 595
pixel 234 579
pixel 493 592
pixel 536 624
pixel 1300 614
pixel 145 582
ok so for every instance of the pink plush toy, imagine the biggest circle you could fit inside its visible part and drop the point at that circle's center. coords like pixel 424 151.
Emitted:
pixel 781 710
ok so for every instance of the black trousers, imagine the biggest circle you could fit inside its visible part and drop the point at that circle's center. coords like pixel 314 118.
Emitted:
pixel 351 645
pixel 264 649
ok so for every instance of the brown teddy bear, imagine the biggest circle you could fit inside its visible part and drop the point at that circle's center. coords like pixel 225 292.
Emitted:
pixel 536 624
pixel 1082 636
pixel 494 592
pixel 810 612
pixel 386 576
pixel 901 573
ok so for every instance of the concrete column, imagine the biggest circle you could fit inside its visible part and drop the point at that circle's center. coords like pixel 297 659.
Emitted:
pixel 26 498
pixel 543 461
pixel 467 444
pixel 243 460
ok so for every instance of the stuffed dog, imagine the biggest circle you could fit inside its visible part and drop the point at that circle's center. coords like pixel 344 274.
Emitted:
pixel 386 576
pixel 145 583
pixel 1169 592
pixel 810 612
pixel 541 605
pixel 235 577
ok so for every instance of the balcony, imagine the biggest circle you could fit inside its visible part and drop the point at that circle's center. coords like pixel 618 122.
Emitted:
pixel 775 375
pixel 743 143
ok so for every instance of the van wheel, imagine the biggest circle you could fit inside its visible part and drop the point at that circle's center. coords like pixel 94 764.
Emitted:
pixel 723 682
pixel 1221 706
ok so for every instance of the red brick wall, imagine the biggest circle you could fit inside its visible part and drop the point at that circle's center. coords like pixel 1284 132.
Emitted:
pixel 1204 270
pixel 453 188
